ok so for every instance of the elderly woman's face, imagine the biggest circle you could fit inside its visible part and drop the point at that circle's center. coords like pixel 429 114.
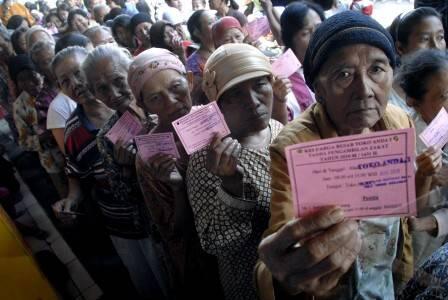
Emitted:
pixel 435 98
pixel 40 36
pixel 167 95
pixel 354 85
pixel 170 35
pixel 110 84
pixel 102 37
pixel 142 32
pixel 232 35
pixel 427 34
pixel 247 107
pixel 42 60
pixel 70 79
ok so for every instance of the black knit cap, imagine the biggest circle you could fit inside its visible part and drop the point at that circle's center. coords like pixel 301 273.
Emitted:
pixel 138 19
pixel 19 63
pixel 344 29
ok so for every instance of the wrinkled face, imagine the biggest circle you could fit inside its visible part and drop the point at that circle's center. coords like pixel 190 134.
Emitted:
pixel 247 106
pixel 80 24
pixel 142 32
pixel 231 36
pixel 71 81
pixel 102 37
pixel 167 94
pixel 197 5
pixel 436 96
pixel 354 85
pixel 63 15
pixel 30 81
pixel 40 36
pixel 427 34
pixel 42 60
pixel 302 37
pixel 170 35
pixel 110 84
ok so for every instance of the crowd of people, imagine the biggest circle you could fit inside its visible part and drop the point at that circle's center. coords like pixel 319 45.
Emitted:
pixel 220 223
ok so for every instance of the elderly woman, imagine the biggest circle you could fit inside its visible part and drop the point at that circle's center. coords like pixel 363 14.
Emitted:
pixel 78 21
pixel 228 8
pixel 349 64
pixel 228 183
pixel 35 34
pixel 119 190
pixel 227 30
pixel 160 83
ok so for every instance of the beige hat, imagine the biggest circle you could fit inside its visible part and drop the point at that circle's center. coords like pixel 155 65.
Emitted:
pixel 230 65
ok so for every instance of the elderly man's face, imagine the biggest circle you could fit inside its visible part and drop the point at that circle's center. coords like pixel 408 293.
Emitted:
pixel 102 37
pixel 354 85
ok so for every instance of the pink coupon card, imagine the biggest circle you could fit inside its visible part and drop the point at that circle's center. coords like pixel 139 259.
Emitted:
pixel 258 28
pixel 149 145
pixel 126 128
pixel 436 134
pixel 366 175
pixel 286 65
pixel 196 129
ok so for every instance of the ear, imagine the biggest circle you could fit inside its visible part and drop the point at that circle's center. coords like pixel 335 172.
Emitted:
pixel 400 48
pixel 411 102
pixel 318 92
pixel 190 79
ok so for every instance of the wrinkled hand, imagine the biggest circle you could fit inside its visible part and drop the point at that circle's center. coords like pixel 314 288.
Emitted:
pixel 64 210
pixel 163 167
pixel 281 87
pixel 124 153
pixel 222 156
pixel 429 162
pixel 328 247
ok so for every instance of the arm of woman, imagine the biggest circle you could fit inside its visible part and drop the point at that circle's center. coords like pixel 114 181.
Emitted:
pixel 58 134
pixel 273 19
pixel 428 164
pixel 281 88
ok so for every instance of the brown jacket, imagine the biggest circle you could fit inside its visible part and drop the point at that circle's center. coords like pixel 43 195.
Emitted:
pixel 313 125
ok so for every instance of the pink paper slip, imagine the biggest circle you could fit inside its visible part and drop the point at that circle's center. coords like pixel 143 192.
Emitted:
pixel 286 65
pixel 258 28
pixel 196 129
pixel 366 175
pixel 126 128
pixel 436 134
pixel 149 145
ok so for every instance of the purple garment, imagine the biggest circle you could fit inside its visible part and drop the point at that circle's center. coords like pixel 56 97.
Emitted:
pixel 301 91
pixel 195 64
pixel 43 100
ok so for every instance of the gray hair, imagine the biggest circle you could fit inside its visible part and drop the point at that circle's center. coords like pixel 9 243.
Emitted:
pixel 98 7
pixel 39 46
pixel 90 33
pixel 118 55
pixel 66 53
pixel 33 30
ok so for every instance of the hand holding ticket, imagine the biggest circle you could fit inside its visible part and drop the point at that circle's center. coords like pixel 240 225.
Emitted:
pixel 366 175
pixel 436 134
pixel 286 65
pixel 197 129
pixel 125 129
pixel 149 145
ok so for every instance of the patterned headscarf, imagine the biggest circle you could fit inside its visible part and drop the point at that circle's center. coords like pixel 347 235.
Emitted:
pixel 230 65
pixel 147 64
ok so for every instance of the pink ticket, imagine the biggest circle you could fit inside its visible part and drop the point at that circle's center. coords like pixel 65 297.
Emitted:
pixel 126 128
pixel 286 65
pixel 196 129
pixel 366 175
pixel 436 134
pixel 258 28
pixel 149 145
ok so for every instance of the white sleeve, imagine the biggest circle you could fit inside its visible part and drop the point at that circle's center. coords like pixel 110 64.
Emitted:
pixel 58 113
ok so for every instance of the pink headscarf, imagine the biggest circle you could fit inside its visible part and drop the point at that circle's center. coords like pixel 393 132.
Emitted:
pixel 221 26
pixel 147 64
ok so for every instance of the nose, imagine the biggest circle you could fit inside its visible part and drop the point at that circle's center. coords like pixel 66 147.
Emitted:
pixel 114 92
pixel 252 100
pixel 362 87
